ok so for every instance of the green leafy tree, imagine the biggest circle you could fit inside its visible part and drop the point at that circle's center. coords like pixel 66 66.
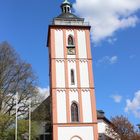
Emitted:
pixel 5 123
pixel 23 129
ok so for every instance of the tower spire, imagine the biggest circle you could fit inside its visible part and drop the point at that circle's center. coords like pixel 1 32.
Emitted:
pixel 65 0
pixel 66 6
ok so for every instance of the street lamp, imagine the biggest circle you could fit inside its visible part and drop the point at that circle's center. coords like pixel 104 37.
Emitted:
pixel 16 99
pixel 30 119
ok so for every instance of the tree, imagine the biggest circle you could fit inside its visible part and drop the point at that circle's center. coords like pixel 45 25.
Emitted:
pixel 122 129
pixel 15 76
pixel 23 130
pixel 7 131
pixel 5 122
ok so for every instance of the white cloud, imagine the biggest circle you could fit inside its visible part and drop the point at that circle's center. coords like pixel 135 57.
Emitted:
pixel 108 16
pixel 112 40
pixel 108 60
pixel 134 105
pixel 132 56
pixel 113 59
pixel 116 98
pixel 44 92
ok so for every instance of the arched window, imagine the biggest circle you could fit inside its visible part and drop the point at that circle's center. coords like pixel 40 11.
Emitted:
pixel 68 9
pixel 72 77
pixel 76 138
pixel 70 41
pixel 71 46
pixel 65 9
pixel 74 112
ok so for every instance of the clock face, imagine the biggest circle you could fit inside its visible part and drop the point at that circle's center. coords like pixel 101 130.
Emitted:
pixel 71 50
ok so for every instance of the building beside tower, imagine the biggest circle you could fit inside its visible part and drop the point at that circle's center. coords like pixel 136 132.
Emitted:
pixel 72 92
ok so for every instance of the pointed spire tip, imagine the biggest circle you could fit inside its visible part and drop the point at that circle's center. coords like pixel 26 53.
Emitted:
pixel 66 1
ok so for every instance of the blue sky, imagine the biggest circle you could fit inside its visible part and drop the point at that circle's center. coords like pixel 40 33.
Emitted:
pixel 115 47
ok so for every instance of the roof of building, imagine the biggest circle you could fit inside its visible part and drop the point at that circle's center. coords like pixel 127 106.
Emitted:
pixel 68 16
pixel 66 12
pixel 66 2
pixel 43 112
pixel 101 116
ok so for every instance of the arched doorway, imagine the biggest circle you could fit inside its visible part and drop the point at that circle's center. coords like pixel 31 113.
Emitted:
pixel 75 138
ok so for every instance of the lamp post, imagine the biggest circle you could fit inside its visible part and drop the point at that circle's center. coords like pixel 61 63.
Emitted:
pixel 30 119
pixel 16 121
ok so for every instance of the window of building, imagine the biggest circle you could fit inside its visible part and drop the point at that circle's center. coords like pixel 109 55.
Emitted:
pixel 72 77
pixel 70 40
pixel 68 9
pixel 65 9
pixel 75 138
pixel 74 112
pixel 47 128
pixel 71 46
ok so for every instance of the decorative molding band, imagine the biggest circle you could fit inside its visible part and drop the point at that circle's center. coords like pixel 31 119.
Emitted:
pixel 61 90
pixel 60 60
pixel 76 88
pixel 58 29
pixel 85 90
pixel 83 60
pixel 76 124
pixel 72 58
pixel 73 90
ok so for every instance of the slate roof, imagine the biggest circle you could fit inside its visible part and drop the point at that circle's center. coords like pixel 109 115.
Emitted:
pixel 101 116
pixel 43 112
pixel 68 16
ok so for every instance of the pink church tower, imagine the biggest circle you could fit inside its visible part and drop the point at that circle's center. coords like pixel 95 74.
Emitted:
pixel 71 78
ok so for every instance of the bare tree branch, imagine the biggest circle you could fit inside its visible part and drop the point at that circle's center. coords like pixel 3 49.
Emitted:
pixel 122 129
pixel 15 76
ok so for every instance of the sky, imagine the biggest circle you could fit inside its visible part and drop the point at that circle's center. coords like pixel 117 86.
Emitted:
pixel 115 45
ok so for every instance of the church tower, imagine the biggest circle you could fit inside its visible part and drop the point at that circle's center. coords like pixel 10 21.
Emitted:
pixel 71 78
